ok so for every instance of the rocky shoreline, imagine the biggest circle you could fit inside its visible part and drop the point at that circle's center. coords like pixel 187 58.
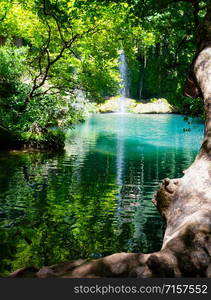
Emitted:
pixel 153 106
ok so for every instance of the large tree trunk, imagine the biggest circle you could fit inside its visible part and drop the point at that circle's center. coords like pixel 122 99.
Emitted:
pixel 184 203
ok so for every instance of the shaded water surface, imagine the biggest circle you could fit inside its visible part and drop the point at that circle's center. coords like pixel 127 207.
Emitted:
pixel 95 198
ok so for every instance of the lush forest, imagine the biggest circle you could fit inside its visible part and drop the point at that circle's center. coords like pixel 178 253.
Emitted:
pixel 60 62
pixel 60 58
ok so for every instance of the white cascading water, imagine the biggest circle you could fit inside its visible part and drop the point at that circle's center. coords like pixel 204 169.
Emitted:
pixel 124 88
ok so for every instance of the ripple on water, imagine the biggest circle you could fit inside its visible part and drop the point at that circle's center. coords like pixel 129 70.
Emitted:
pixel 94 199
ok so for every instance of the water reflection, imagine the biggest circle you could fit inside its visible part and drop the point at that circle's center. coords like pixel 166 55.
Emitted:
pixel 95 198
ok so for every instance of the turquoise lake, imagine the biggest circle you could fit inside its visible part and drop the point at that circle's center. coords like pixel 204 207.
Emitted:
pixel 94 198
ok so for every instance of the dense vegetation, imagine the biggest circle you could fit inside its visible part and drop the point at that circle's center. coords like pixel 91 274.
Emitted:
pixel 58 59
pixel 59 56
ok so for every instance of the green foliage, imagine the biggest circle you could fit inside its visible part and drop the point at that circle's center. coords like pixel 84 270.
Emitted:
pixel 56 50
pixel 51 139
pixel 163 63
pixel 11 63
pixel 41 111
pixel 13 90
pixel 191 106
pixel 160 47
pixel 66 54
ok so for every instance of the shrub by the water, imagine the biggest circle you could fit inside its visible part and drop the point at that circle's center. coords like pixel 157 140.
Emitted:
pixel 52 139
pixel 29 125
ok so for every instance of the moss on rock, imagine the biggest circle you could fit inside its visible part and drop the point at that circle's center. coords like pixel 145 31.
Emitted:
pixel 152 106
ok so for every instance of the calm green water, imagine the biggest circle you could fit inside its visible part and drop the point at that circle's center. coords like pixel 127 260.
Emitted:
pixel 95 198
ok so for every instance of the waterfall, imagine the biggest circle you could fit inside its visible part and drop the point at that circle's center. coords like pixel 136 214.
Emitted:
pixel 124 88
pixel 123 91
